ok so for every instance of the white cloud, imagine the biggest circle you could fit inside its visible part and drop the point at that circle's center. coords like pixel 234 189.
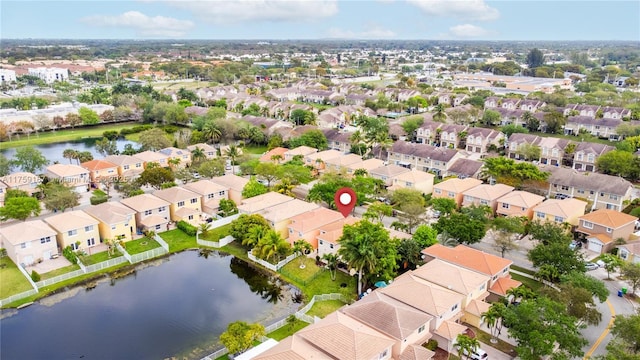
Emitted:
pixel 157 26
pixel 373 32
pixel 232 11
pixel 467 31
pixel 461 9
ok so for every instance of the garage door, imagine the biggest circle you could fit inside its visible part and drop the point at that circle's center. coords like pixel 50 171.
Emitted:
pixel 595 245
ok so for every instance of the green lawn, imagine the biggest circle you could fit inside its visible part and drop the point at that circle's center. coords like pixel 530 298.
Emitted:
pixel 305 274
pixel 140 245
pixel 324 308
pixel 287 330
pixel 60 271
pixel 255 149
pixel 178 240
pixel 521 269
pixel 217 233
pixel 485 338
pixel 530 283
pixel 99 257
pixel 64 135
pixel 13 282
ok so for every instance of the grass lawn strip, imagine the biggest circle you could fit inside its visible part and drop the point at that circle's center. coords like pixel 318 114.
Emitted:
pixel 60 271
pixel 140 245
pixel 217 233
pixel 306 274
pixel 528 282
pixel 324 308
pixel 13 281
pixel 523 270
pixel 485 338
pixel 178 240
pixel 66 135
pixel 99 257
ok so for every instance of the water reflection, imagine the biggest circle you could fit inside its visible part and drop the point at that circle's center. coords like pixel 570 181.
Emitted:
pixel 263 284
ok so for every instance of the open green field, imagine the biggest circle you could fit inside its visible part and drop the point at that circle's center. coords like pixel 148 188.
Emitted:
pixel 12 280
pixel 530 283
pixel 170 85
pixel 63 135
pixel 99 257
pixel 140 245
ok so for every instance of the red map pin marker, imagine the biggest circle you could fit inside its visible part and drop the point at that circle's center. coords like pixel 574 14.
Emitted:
pixel 345 200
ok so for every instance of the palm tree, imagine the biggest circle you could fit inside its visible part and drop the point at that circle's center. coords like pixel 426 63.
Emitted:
pixel 198 155
pixel 493 318
pixel 233 152
pixel 439 113
pixel 466 346
pixel 359 255
pixel 302 248
pixel 70 154
pixel 277 158
pixel 211 132
pixel 204 229
pixel 356 139
pixel 284 187
pixel 271 245
pixel 174 162
pixel 332 264
pixel 383 144
pixel 520 293
pixel 254 234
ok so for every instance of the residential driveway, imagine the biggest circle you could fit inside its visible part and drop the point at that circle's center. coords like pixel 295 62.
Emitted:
pixel 494 354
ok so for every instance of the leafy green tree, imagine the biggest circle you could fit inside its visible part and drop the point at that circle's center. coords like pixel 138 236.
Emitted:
pixel 312 138
pixel 409 255
pixel 303 117
pixel 535 58
pixel 240 227
pixel 558 254
pixel 504 230
pixel 88 116
pixel 57 196
pixel 411 124
pixel 212 168
pixel 461 227
pixel 491 117
pixel 153 139
pixel 625 331
pixel 425 236
pixel 227 207
pixel 511 129
pixel 253 188
pixel 548 232
pixel 5 166
pixel 478 212
pixel 579 302
pixel 581 280
pixel 555 121
pixel 631 272
pixel 29 159
pixel 20 208
pixel 295 174
pixel 106 147
pixel 268 172
pixel 444 205
pixel 466 346
pixel 411 214
pixel 377 211
pixel 507 171
pixel 156 177
pixel 175 115
pixel 542 327
pixel 367 249
pixel 407 196
pixel 620 163
pixel 611 263
pixel 240 336
pixel 529 151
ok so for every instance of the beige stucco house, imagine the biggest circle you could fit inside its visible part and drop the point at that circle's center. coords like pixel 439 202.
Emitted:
pixel 116 221
pixel 485 194
pixel 73 176
pixel 454 188
pixel 303 151
pixel 148 157
pixel 279 215
pixel 129 167
pixel 366 165
pixel 234 183
pixel 600 228
pixel 307 226
pixel 387 173
pixel 209 151
pixel 28 242
pixel 152 213
pixel 180 156
pixel 101 170
pixel 330 233
pixel 258 203
pixel 210 194
pixel 415 179
pixel 184 205
pixel 24 181
pixel 342 162
pixel 560 211
pixel 76 229
pixel 518 203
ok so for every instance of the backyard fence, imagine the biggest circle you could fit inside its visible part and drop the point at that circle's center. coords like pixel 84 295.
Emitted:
pixel 17 297
pixel 106 264
pixel 161 242
pixel 149 254
pixel 60 278
pixel 82 267
pixel 223 221
pixel 270 266
pixel 297 279
pixel 24 272
pixel 214 244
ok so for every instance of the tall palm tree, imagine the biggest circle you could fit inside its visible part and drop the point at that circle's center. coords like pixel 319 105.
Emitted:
pixel 198 155
pixel 332 264
pixel 70 154
pixel 211 132
pixel 233 152
pixel 439 113
pixel 254 234
pixel 356 139
pixel 466 346
pixel 493 318
pixel 277 158
pixel 358 253
pixel 284 187
pixel 302 248
pixel 271 245
pixel 384 143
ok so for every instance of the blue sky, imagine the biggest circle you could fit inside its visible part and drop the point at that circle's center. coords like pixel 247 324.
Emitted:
pixel 322 19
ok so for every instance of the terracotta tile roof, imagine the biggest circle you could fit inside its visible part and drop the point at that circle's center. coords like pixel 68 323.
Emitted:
pixel 458 185
pixel 477 307
pixel 342 337
pixel 70 220
pixel 503 284
pixel 488 192
pixel 301 150
pixel 258 203
pixel 422 295
pixel 205 187
pixel 293 348
pixel 175 194
pixel 450 330
pixel 333 231
pixel 469 258
pixel 391 318
pixel 609 218
pixel 25 231
pixel 563 208
pixel 367 165
pixel 231 181
pixel 63 170
pixel 286 210
pixel 98 165
pixel 417 352
pixel 111 212
pixel 314 219
pixel 153 220
pixel 450 276
pixel 144 202
pixel 275 151
pixel 521 199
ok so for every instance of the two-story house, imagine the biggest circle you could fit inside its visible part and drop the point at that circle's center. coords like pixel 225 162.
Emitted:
pixel 560 211
pixel 415 179
pixel 600 190
pixel 129 167
pixel 275 155
pixel 75 229
pixel 422 157
pixel 258 203
pixel 330 233
pixel 552 150
pixel 210 194
pixel 152 213
pixel 209 151
pixel 615 112
pixel 366 165
pixel 479 139
pixel 28 242
pixel 602 128
pixel 492 102
pixel 464 168
pixel 450 135
pixel 148 157
pixel 510 104
pixel 317 160
pixel 600 228
pixel 630 252
pixel 454 188
pixel 518 203
pixel 303 151
pixel 427 132
pixel 581 110
pixel 387 173
pixel 517 141
pixel 24 181
pixel 531 105
pixel 176 157
pixel 342 162
pixel 234 183
pixel 306 226
pixel 116 221
pixel 485 194
pixel 279 216
pixel 74 176
pixel 184 205
pixel 101 171
pixel 586 154
pixel 338 140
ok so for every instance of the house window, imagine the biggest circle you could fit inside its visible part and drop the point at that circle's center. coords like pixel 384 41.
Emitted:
pixel 554 152
pixel 290 231
pixel 194 200
pixel 587 224
pixel 564 187
pixel 613 197
pixel 454 307
pixel 330 246
pixel 438 191
pixel 45 240
pixel 579 156
pixel 162 208
pixel 74 246
pixel 609 230
pixel 190 217
pixel 384 353
pixel 126 167
pixel 148 212
pixel 421 329
pixel 580 191
pixel 180 203
pixel 451 194
pixel 590 158
pixel 157 227
pixel 72 232
pixel 484 202
pixel 113 227
pixel 540 214
pixel 559 219
pixel 612 207
pixel 452 136
pixel 299 233
pixel 505 205
pixel 468 198
pixel 211 196
pixel 320 242
pixel 88 228
pixel 91 242
pixel 494 277
pixel 483 287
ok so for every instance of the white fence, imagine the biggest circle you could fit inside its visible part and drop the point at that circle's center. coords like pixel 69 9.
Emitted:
pixel 161 242
pixel 106 264
pixel 223 221
pixel 17 297
pixel 24 272
pixel 214 244
pixel 149 254
pixel 60 278
pixel 269 265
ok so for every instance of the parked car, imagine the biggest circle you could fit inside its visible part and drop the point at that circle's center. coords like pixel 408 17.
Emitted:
pixel 591 266
pixel 575 244
pixel 478 354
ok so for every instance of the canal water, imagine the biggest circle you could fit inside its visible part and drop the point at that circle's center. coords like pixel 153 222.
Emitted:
pixel 54 151
pixel 165 308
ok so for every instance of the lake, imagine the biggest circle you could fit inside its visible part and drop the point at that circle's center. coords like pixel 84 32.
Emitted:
pixel 53 151
pixel 168 307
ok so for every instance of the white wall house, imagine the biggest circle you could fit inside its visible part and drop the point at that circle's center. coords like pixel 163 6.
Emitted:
pixel 50 75
pixel 7 75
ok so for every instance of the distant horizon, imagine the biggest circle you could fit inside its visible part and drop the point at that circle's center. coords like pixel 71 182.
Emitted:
pixel 351 20
pixel 178 41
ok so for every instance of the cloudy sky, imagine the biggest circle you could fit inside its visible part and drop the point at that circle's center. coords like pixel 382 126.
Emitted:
pixel 322 19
